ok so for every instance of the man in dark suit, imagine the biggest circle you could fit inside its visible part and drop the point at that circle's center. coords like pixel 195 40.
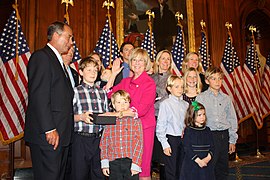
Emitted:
pixel 49 117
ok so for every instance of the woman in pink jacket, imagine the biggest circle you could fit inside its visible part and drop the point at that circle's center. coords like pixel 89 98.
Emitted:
pixel 142 90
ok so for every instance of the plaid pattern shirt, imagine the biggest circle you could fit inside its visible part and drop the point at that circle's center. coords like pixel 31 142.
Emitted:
pixel 125 139
pixel 89 98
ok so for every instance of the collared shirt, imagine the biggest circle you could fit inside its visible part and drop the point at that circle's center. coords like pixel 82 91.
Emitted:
pixel 220 113
pixel 171 118
pixel 126 70
pixel 89 98
pixel 58 55
pixel 125 139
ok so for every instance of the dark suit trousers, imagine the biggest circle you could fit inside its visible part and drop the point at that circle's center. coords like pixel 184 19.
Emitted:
pixel 221 156
pixel 174 162
pixel 120 170
pixel 86 158
pixel 48 163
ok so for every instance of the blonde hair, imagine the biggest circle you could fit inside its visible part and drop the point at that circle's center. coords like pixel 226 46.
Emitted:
pixel 123 94
pixel 213 70
pixel 142 54
pixel 156 67
pixel 187 58
pixel 171 79
pixel 199 83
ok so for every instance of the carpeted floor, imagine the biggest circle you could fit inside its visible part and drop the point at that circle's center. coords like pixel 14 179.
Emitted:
pixel 251 168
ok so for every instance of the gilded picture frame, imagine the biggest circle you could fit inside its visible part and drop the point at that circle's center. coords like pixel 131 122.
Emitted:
pixel 190 23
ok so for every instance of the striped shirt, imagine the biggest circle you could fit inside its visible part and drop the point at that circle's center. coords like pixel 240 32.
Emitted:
pixel 125 139
pixel 89 98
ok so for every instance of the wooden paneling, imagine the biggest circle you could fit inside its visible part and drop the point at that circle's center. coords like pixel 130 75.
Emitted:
pixel 87 18
pixel 216 14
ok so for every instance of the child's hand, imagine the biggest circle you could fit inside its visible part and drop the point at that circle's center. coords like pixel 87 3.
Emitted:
pixel 87 118
pixel 200 162
pixel 207 158
pixel 167 151
pixel 133 172
pixel 106 171
pixel 231 148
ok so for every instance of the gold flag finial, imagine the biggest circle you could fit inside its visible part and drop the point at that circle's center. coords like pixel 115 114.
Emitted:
pixel 150 14
pixel 202 23
pixel 252 29
pixel 67 2
pixel 228 25
pixel 108 4
pixel 179 16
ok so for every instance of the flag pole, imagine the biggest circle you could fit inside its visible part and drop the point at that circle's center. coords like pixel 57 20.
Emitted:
pixel 150 16
pixel 67 2
pixel 11 145
pixel 203 25
pixel 109 4
pixel 15 6
pixel 180 17
pixel 253 29
pixel 228 26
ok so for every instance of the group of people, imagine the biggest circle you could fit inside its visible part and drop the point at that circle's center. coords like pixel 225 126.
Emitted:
pixel 179 122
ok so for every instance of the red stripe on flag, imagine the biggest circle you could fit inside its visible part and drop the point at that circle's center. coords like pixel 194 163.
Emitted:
pixel 12 102
pixel 17 93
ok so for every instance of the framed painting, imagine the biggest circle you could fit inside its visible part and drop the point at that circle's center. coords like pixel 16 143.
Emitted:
pixel 124 24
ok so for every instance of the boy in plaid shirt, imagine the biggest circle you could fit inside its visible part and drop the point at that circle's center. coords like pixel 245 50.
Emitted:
pixel 88 99
pixel 122 144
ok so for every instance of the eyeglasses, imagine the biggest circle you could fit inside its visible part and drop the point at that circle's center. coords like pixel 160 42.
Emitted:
pixel 138 60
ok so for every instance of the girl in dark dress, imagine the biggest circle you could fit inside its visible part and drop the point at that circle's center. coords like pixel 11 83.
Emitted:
pixel 198 146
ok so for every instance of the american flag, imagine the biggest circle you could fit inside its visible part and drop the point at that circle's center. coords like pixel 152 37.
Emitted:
pixel 76 57
pixel 149 44
pixel 234 84
pixel 203 51
pixel 107 46
pixel 266 88
pixel 178 50
pixel 252 77
pixel 13 101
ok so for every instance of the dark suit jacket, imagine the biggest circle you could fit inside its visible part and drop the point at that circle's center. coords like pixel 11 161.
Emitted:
pixel 50 99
